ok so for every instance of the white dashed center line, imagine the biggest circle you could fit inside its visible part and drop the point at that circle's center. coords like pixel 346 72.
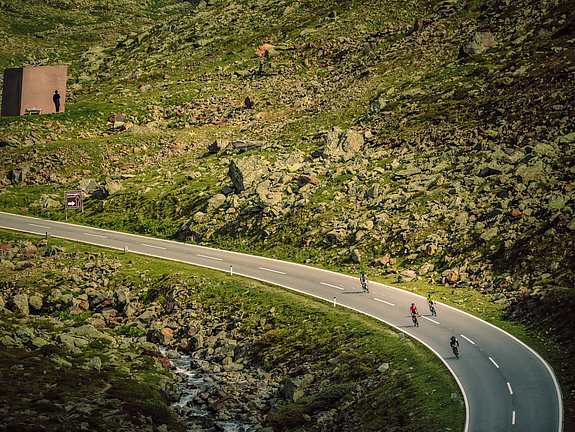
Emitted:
pixel 95 235
pixel 210 257
pixel 510 389
pixel 38 226
pixel 152 246
pixel 429 319
pixel 493 361
pixel 333 286
pixel 468 340
pixel 383 301
pixel 513 418
pixel 271 270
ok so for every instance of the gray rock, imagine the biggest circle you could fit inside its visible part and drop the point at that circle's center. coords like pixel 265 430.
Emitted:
pixel 566 139
pixel 49 202
pixel 373 192
pixel 38 342
pixel 35 302
pixel 60 361
pixel 532 172
pixel 355 256
pixel 95 363
pixel 70 342
pixel 545 149
pixel 342 145
pixel 489 234
pixel 110 186
pixel 245 172
pixel 87 331
pixel 18 175
pixel 294 162
pixel 291 389
pixel 215 202
pixel 121 298
pixel 23 335
pixel 242 146
pixel 383 367
pixel 425 268
pixel 20 304
pixel 480 42
pixel 200 217
pixel 88 186
pixel 55 296
pixel 218 146
pixel 407 276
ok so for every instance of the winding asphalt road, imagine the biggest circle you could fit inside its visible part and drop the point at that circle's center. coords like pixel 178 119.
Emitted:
pixel 506 385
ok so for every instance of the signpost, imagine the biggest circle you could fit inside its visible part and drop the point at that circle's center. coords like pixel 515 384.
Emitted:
pixel 73 200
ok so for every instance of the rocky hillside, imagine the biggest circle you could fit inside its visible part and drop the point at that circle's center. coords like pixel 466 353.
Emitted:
pixel 90 341
pixel 426 141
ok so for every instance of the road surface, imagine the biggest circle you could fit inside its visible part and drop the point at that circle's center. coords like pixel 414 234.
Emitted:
pixel 506 385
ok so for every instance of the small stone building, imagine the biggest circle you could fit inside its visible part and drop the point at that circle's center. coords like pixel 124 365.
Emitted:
pixel 29 90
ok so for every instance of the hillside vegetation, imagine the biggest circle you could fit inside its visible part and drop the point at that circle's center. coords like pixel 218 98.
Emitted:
pixel 429 143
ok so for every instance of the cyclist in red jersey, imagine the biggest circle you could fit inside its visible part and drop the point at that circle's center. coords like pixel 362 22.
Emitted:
pixel 414 313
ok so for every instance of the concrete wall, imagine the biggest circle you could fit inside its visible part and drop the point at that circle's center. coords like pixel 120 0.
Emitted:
pixel 37 85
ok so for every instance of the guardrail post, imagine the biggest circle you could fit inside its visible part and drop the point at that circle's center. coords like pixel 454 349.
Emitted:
pixel 334 302
pixel 231 270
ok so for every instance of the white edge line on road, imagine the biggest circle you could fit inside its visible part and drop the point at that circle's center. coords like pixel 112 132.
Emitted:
pixel 429 319
pixel 39 226
pixel 95 235
pixel 513 418
pixel 153 246
pixel 493 361
pixel 467 339
pixel 383 301
pixel 547 366
pixel 510 389
pixel 210 257
pixel 333 286
pixel 271 270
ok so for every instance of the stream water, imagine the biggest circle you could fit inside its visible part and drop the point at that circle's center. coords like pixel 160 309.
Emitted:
pixel 193 384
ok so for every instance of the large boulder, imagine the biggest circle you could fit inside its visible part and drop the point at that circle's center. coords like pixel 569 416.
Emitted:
pixel 35 302
pixel 480 42
pixel 245 172
pixel 110 186
pixel 342 145
pixel 18 175
pixel 20 304
pixel 215 202
pixel 407 276
pixel 88 186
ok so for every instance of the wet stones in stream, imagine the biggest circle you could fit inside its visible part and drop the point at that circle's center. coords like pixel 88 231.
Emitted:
pixel 213 399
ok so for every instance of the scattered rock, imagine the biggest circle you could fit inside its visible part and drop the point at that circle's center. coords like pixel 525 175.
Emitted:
pixel 480 42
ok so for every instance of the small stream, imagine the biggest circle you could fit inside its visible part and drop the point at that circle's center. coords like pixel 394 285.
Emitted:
pixel 194 383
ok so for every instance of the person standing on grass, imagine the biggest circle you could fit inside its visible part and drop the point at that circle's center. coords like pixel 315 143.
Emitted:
pixel 56 100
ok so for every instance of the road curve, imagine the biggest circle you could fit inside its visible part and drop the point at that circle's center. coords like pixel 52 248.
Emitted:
pixel 507 386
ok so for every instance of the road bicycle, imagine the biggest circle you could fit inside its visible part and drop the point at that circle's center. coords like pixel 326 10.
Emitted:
pixel 364 287
pixel 432 308
pixel 414 319
pixel 455 349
